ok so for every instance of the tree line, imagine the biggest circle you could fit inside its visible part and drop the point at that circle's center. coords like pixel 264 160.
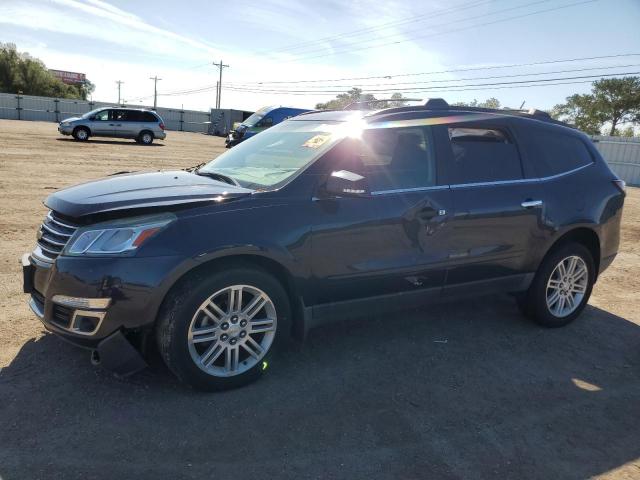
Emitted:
pixel 612 107
pixel 24 74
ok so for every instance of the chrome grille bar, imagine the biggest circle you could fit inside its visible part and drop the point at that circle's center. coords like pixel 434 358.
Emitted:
pixel 53 236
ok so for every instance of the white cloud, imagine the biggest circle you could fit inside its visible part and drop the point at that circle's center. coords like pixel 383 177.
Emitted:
pixel 114 44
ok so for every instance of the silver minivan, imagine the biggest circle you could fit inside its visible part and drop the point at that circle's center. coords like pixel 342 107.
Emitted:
pixel 135 123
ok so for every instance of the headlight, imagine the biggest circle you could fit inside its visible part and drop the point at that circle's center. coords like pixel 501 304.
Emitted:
pixel 116 237
pixel 65 124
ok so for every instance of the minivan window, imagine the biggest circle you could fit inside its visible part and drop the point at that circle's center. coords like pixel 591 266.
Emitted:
pixel 554 152
pixel 397 158
pixel 102 115
pixel 483 155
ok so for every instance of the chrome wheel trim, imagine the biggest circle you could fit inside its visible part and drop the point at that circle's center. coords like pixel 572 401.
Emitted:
pixel 146 138
pixel 567 286
pixel 82 134
pixel 232 330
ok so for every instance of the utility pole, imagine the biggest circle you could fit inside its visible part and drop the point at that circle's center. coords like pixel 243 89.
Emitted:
pixel 217 92
pixel 219 89
pixel 155 90
pixel 119 82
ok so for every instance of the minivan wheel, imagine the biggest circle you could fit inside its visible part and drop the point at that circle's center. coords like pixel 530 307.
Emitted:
pixel 81 134
pixel 145 138
pixel 561 288
pixel 221 331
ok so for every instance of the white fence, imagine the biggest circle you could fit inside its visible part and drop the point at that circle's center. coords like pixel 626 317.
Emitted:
pixel 47 109
pixel 623 155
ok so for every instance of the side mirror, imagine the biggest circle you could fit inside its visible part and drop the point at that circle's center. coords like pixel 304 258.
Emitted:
pixel 343 183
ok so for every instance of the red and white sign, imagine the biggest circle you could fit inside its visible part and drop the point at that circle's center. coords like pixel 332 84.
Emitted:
pixel 71 78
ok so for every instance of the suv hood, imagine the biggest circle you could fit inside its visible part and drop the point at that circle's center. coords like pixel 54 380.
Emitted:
pixel 71 119
pixel 140 190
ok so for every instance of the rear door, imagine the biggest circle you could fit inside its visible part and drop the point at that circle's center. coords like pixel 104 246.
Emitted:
pixel 393 240
pixel 498 210
pixel 126 123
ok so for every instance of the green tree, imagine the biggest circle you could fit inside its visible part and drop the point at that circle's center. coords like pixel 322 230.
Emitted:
pixel 488 103
pixel 21 73
pixel 612 101
pixel 627 132
pixel 344 99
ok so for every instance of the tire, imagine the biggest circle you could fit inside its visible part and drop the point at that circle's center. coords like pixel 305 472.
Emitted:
pixel 182 312
pixel 145 138
pixel 538 302
pixel 81 134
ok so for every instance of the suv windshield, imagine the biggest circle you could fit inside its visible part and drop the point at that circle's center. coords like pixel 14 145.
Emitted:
pixel 270 158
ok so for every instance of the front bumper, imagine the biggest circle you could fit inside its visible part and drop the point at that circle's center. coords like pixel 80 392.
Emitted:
pixel 87 299
pixel 67 130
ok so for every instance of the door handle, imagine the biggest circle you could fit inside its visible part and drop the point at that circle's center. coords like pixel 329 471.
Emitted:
pixel 531 203
pixel 112 125
pixel 428 213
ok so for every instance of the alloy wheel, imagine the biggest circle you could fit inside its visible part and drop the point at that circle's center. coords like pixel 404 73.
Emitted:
pixel 567 286
pixel 232 330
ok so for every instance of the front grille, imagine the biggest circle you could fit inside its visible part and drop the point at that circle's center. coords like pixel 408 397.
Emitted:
pixel 53 236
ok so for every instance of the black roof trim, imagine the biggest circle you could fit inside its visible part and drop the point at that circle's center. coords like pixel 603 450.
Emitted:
pixel 434 104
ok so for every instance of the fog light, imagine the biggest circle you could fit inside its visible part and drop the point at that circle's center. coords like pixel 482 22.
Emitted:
pixel 86 322
pixel 79 302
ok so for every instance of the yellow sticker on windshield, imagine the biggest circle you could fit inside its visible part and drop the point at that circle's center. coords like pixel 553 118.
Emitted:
pixel 317 141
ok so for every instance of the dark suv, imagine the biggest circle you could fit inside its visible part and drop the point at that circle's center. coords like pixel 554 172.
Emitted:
pixel 326 215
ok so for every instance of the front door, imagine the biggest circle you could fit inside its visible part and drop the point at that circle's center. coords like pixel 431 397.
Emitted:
pixel 102 124
pixel 392 240
pixel 498 218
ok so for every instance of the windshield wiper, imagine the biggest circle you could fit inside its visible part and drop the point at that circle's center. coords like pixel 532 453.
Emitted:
pixel 218 176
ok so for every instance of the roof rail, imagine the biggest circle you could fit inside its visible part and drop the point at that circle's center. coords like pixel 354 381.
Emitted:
pixel 357 105
pixel 441 104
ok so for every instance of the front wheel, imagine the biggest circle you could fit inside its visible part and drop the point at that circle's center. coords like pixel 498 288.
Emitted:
pixel 220 332
pixel 561 288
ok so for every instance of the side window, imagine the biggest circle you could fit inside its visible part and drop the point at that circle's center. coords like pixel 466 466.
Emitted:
pixel 133 115
pixel 552 152
pixel 102 116
pixel 148 117
pixel 483 155
pixel 398 158
pixel 120 116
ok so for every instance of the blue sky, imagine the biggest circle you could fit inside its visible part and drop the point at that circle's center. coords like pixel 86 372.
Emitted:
pixel 270 41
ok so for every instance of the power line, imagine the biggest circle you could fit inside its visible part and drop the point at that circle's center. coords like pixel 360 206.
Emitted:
pixel 442 87
pixel 408 39
pixel 437 91
pixel 382 26
pixel 453 70
pixel 458 79
pixel 259 85
pixel 451 22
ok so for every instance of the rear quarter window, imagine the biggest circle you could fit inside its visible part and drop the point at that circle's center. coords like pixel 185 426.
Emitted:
pixel 552 153
pixel 148 117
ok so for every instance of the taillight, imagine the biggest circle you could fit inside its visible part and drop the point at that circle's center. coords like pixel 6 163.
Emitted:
pixel 162 125
pixel 621 185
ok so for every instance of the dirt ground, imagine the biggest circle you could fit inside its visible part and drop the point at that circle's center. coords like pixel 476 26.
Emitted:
pixel 461 390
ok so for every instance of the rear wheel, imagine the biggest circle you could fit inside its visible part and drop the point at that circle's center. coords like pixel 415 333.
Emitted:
pixel 81 134
pixel 561 288
pixel 145 138
pixel 221 332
